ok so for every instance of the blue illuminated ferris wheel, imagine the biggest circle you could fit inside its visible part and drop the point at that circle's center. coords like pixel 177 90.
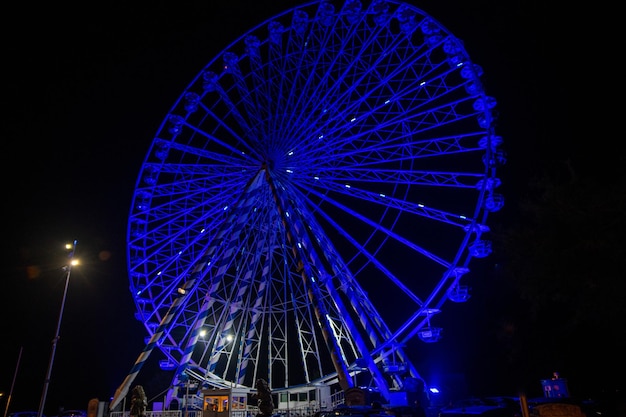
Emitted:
pixel 313 199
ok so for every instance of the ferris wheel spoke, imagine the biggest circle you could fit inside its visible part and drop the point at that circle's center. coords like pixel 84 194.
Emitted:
pixel 400 205
pixel 211 160
pixel 378 228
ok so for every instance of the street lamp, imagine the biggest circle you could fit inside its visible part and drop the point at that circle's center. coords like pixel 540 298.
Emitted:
pixel 19 358
pixel 68 269
pixel 189 384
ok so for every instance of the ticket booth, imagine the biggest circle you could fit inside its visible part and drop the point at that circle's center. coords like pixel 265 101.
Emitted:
pixel 227 402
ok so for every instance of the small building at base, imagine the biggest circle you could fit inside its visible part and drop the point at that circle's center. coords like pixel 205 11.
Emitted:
pixel 225 402
pixel 241 402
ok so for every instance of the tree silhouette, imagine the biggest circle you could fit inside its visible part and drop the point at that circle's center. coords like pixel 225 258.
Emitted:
pixel 564 252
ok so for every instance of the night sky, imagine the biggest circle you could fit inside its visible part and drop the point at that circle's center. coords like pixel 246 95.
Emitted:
pixel 85 89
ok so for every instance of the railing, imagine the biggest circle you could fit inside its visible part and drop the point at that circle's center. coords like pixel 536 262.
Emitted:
pixel 162 413
pixel 250 412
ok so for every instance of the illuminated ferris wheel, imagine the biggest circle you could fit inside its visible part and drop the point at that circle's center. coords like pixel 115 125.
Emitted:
pixel 334 160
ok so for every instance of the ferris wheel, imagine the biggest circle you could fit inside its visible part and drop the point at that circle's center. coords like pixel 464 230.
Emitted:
pixel 313 199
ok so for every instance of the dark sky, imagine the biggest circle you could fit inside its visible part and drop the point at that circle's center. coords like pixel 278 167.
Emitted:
pixel 88 87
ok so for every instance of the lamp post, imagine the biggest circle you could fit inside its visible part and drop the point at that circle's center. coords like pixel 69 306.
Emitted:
pixel 68 269
pixel 19 358
pixel 189 384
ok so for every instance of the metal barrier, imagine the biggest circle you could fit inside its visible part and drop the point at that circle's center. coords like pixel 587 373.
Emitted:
pixel 251 412
pixel 162 413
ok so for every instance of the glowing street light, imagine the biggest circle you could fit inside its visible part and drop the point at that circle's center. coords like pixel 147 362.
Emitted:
pixel 68 269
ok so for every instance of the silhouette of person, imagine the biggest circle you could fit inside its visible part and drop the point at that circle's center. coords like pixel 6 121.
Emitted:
pixel 264 398
pixel 138 402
